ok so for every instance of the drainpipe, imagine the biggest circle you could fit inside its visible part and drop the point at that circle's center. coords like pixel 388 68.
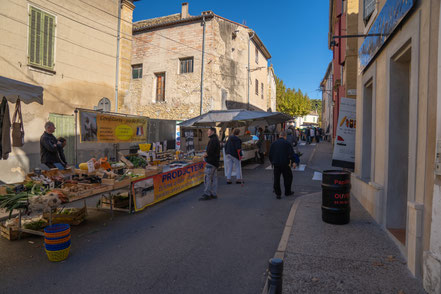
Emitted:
pixel 248 80
pixel 202 66
pixel 117 56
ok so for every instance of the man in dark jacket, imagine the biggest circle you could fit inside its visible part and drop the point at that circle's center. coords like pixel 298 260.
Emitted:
pixel 281 155
pixel 212 157
pixel 233 154
pixel 49 146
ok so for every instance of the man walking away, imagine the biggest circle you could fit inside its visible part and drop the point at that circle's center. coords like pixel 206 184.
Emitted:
pixel 281 155
pixel 312 134
pixel 233 152
pixel 212 156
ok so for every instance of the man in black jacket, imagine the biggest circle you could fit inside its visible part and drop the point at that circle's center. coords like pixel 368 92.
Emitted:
pixel 281 155
pixel 212 157
pixel 233 153
pixel 49 146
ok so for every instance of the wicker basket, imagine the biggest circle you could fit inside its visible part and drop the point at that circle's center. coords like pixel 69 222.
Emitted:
pixel 59 255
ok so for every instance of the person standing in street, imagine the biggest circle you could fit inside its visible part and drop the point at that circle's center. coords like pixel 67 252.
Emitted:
pixel 281 155
pixel 233 153
pixel 61 143
pixel 49 146
pixel 312 135
pixel 212 157
pixel 261 145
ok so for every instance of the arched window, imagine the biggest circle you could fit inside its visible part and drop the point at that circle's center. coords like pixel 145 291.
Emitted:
pixel 104 104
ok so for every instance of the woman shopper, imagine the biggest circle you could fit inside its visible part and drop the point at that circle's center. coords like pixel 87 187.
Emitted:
pixel 261 145
pixel 233 154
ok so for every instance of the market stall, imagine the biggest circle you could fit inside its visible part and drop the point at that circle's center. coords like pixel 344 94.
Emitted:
pixel 238 118
pixel 130 182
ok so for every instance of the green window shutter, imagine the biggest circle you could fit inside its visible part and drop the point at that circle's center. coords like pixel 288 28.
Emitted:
pixel 35 36
pixel 48 40
pixel 38 30
pixel 32 33
pixel 41 38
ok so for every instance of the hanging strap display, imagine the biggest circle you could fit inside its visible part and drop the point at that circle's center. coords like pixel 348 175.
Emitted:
pixel 17 127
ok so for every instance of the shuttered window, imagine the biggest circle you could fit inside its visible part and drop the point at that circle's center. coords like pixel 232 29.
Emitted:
pixel 257 87
pixel 186 65
pixel 41 38
pixel 160 87
pixel 261 92
pixel 368 8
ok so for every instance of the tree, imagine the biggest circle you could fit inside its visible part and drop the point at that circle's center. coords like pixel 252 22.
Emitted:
pixel 290 101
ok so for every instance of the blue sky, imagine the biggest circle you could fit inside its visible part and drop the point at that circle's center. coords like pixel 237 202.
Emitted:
pixel 295 32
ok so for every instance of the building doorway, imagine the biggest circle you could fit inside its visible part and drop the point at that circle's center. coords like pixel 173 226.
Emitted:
pixel 366 163
pixel 398 153
pixel 65 127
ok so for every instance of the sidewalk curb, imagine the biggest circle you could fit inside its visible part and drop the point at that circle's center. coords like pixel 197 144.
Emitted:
pixel 283 244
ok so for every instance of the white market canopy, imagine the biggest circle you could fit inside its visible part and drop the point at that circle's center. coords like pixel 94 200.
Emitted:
pixel 13 90
pixel 235 118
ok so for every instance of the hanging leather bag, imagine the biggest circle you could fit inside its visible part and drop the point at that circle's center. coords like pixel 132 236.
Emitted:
pixel 17 127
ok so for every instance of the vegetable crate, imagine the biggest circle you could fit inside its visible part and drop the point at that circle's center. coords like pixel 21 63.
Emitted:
pixel 11 233
pixel 117 202
pixel 71 216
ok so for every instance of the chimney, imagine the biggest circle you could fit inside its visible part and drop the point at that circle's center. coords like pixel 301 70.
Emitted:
pixel 184 10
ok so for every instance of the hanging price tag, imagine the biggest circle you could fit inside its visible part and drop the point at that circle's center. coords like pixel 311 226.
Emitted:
pixel 90 166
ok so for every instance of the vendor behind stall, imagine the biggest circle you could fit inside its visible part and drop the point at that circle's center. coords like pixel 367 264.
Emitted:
pixel 49 146
pixel 61 143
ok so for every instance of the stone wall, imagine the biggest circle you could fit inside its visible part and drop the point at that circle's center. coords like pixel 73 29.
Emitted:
pixel 225 69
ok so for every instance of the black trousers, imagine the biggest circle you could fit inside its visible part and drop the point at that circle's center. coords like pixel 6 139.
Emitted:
pixel 286 171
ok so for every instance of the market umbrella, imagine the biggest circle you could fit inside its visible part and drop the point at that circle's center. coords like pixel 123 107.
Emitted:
pixel 13 90
pixel 235 118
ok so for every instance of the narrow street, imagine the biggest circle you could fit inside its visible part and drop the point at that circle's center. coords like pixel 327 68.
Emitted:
pixel 181 245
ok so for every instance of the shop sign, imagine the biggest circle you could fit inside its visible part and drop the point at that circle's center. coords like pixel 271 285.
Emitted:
pixel 344 146
pixel 388 19
pixel 151 190
pixel 108 128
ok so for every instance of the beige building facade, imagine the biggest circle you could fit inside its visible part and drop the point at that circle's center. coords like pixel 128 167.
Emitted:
pixel 394 174
pixel 167 56
pixel 70 49
pixel 326 86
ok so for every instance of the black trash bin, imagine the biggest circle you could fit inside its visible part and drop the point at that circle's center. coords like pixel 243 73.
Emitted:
pixel 336 191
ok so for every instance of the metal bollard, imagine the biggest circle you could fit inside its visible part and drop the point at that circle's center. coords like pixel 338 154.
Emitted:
pixel 275 275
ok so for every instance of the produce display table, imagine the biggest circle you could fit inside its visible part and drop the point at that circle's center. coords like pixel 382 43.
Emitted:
pixel 173 180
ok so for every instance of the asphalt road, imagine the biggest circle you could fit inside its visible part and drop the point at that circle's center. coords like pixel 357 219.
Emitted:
pixel 181 245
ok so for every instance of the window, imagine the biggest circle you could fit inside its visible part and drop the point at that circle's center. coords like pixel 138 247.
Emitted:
pixel 368 8
pixel 104 104
pixel 41 38
pixel 257 55
pixel 186 65
pixel 257 87
pixel 137 71
pixel 160 87
pixel 261 92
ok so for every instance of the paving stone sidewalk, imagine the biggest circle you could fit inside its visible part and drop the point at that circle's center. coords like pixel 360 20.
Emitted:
pixel 355 258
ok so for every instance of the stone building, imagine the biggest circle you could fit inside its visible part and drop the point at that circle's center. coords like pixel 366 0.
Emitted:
pixel 397 127
pixel 272 89
pixel 70 49
pixel 343 20
pixel 167 66
pixel 326 86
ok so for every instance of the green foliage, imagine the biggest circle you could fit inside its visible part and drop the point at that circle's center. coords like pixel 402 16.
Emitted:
pixel 291 101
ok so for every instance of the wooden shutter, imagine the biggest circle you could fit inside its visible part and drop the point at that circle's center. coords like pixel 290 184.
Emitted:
pixel 48 40
pixel 35 36
pixel 65 128
pixel 41 38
